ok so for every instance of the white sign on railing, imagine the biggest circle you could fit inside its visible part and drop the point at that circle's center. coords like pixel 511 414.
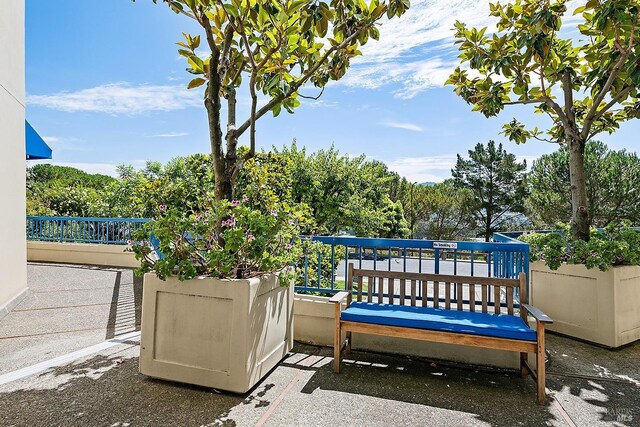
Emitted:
pixel 445 245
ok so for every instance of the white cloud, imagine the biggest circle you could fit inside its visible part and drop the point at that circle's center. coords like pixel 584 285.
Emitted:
pixel 423 169
pixel 432 168
pixel 406 126
pixel 120 98
pixel 168 135
pixel 416 51
pixel 318 103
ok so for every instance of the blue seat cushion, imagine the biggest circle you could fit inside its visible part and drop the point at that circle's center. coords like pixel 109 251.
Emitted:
pixel 437 319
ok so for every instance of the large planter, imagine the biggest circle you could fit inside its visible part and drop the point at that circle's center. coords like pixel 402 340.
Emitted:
pixel 600 307
pixel 225 334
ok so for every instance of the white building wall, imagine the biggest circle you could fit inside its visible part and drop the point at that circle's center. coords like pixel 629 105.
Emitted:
pixel 13 250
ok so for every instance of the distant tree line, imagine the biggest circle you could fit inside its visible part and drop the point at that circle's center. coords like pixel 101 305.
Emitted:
pixel 490 190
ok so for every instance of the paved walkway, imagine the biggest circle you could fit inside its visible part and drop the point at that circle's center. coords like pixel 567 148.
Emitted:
pixel 68 307
pixel 591 386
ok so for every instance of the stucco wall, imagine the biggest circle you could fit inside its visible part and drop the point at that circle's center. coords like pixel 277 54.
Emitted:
pixel 13 251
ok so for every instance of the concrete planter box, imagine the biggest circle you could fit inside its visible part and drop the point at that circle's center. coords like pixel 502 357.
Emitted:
pixel 225 334
pixel 600 307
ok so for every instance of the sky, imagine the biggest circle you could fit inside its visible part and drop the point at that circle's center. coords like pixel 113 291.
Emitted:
pixel 105 86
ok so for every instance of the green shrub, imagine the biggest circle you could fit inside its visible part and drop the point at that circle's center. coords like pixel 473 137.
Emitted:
pixel 616 244
pixel 250 241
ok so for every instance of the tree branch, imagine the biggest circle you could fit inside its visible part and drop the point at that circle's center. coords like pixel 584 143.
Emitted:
pixel 302 80
pixel 526 101
pixel 593 111
pixel 567 88
pixel 615 100
pixel 315 98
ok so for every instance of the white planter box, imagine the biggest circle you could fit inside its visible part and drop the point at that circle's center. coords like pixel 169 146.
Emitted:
pixel 596 306
pixel 225 334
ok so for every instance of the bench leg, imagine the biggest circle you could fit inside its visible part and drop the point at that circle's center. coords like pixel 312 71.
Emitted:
pixel 337 341
pixel 523 368
pixel 540 367
pixel 348 347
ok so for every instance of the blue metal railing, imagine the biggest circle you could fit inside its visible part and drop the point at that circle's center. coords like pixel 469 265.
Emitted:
pixel 114 231
pixel 505 257
pixel 325 272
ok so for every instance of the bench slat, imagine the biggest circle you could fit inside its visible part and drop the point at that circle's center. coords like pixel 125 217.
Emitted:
pixel 447 295
pixel 472 297
pixel 436 294
pixel 510 301
pixel 424 293
pixel 485 298
pixel 403 291
pixel 413 293
pixel 441 277
pixel 392 290
pixel 440 336
pixel 370 289
pixel 459 292
pixel 360 280
pixel 496 302
pixel 380 289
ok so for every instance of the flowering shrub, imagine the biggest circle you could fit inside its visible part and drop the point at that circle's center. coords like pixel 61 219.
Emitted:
pixel 224 239
pixel 616 244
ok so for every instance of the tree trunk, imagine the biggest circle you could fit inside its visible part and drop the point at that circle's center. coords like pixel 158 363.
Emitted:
pixel 213 106
pixel 487 229
pixel 579 202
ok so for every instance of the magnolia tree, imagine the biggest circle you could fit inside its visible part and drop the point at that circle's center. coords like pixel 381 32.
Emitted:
pixel 274 48
pixel 586 84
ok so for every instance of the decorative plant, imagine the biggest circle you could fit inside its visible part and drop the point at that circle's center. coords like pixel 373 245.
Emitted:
pixel 616 244
pixel 586 85
pixel 252 241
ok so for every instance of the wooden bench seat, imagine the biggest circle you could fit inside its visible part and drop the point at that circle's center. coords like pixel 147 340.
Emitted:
pixel 441 308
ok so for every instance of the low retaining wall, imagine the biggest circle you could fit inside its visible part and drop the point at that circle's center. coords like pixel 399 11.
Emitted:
pixel 81 253
pixel 313 323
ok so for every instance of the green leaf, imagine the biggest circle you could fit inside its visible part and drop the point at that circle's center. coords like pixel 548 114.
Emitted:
pixel 196 82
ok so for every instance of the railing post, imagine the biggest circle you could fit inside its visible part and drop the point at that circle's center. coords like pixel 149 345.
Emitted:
pixel 319 284
pixel 333 265
pixel 346 266
pixel 306 269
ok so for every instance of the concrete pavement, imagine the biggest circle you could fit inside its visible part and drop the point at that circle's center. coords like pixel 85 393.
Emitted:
pixel 68 307
pixel 589 385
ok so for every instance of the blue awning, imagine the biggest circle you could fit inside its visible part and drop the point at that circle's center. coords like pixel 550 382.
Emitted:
pixel 36 147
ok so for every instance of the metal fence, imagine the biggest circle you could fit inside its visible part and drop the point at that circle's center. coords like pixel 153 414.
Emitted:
pixel 325 272
pixel 505 257
pixel 113 231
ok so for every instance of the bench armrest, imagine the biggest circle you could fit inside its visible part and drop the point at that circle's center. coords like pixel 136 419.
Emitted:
pixel 339 297
pixel 536 313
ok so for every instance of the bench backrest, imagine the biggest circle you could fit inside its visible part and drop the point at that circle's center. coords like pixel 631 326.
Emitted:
pixel 437 290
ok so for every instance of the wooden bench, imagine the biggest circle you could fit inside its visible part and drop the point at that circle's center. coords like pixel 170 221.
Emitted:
pixel 442 308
